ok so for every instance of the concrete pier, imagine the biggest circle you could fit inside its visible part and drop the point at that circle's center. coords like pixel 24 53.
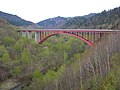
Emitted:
pixel 29 34
pixel 37 37
pixel 24 34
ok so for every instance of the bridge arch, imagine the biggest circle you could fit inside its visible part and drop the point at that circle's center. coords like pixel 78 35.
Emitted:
pixel 68 33
pixel 89 36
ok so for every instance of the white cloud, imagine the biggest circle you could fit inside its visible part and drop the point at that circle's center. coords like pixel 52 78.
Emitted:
pixel 36 10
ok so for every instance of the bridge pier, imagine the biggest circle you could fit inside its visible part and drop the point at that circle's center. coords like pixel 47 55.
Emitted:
pixel 29 34
pixel 37 37
pixel 94 36
pixel 24 34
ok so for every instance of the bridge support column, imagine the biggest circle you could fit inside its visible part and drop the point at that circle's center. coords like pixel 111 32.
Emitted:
pixel 88 36
pixel 29 35
pixel 37 37
pixel 24 34
pixel 19 32
pixel 93 36
pixel 82 34
pixel 40 35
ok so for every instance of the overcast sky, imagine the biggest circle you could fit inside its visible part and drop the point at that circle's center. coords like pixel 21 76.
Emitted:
pixel 37 10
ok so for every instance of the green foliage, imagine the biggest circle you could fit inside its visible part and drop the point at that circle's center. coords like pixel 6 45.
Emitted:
pixel 47 78
pixel 8 41
pixel 65 56
pixel 50 76
pixel 2 50
pixel 18 47
pixel 26 56
pixel 76 56
pixel 47 51
pixel 110 83
pixel 6 58
pixel 109 87
pixel 4 55
pixel 94 84
pixel 61 70
pixel 37 75
pixel 115 59
pixel 21 44
pixel 16 71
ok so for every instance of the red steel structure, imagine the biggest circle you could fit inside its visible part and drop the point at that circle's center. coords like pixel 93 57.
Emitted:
pixel 89 36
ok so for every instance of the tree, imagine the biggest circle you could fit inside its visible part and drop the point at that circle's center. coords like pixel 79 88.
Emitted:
pixel 37 75
pixel 38 79
pixel 6 58
pixel 2 50
pixel 4 55
pixel 26 58
pixel 16 71
pixel 8 41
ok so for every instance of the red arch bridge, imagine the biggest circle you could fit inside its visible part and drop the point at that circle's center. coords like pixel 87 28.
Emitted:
pixel 89 36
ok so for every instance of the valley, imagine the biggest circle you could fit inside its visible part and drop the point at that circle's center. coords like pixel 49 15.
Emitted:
pixel 61 62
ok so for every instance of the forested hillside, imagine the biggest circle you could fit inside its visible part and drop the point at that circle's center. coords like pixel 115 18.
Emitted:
pixel 56 22
pixel 106 19
pixel 98 68
pixel 7 33
pixel 14 19
pixel 21 59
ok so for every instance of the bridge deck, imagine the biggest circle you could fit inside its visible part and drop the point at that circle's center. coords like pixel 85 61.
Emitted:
pixel 69 30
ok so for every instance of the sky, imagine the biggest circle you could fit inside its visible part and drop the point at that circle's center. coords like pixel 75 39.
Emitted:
pixel 38 10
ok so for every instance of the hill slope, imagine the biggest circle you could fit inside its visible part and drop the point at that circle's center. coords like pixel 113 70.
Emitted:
pixel 56 22
pixel 7 30
pixel 106 19
pixel 14 19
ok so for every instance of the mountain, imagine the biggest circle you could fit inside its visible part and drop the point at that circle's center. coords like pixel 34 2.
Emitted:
pixel 14 19
pixel 89 15
pixel 106 19
pixel 56 22
pixel 3 21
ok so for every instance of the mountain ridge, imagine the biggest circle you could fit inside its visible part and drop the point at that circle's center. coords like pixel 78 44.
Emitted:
pixel 58 22
pixel 55 22
pixel 105 20
pixel 14 19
